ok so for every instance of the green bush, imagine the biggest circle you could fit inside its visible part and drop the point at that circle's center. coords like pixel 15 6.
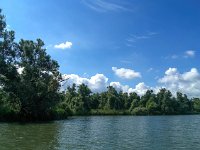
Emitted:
pixel 139 111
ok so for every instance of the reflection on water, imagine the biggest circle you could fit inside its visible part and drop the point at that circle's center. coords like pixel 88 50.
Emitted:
pixel 28 136
pixel 105 132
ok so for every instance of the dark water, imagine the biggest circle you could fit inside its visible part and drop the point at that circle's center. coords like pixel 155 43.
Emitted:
pixel 117 132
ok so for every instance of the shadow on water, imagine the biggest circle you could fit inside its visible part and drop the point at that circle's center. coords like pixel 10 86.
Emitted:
pixel 30 136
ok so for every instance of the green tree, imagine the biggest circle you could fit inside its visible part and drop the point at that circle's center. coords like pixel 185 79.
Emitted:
pixel 183 103
pixel 113 98
pixel 94 101
pixel 84 94
pixel 196 104
pixel 146 97
pixel 165 101
pixel 9 77
pixel 152 106
pixel 133 101
pixel 39 81
pixel 69 97
pixel 35 90
pixel 103 100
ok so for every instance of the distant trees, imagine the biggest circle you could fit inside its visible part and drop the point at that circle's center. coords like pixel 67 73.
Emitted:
pixel 82 101
pixel 195 104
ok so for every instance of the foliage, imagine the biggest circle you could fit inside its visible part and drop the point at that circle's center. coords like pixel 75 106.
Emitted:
pixel 112 102
pixel 28 76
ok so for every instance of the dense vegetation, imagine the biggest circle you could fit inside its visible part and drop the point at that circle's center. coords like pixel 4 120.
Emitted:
pixel 30 89
pixel 29 78
pixel 81 101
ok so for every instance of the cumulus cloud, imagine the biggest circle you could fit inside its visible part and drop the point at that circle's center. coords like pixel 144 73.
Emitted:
pixel 96 83
pixel 99 83
pixel 140 89
pixel 126 73
pixel 187 82
pixel 190 53
pixel 119 87
pixel 65 45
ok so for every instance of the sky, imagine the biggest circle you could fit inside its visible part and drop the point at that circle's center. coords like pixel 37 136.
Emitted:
pixel 133 45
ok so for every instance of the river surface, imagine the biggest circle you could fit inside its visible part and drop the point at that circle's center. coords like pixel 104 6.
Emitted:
pixel 105 133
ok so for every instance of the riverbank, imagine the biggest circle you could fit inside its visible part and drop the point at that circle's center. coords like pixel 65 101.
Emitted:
pixel 97 112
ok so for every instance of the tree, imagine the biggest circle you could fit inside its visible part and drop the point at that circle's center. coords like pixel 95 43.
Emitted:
pixel 94 101
pixel 132 101
pixel 124 100
pixel 113 98
pixel 183 103
pixel 8 54
pixel 84 94
pixel 152 106
pixel 9 77
pixel 146 97
pixel 38 90
pixel 196 104
pixel 35 90
pixel 165 101
pixel 103 100
pixel 69 95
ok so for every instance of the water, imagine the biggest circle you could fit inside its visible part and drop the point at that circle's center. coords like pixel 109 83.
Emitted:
pixel 104 132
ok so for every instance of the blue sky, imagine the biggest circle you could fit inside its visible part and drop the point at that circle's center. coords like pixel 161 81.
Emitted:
pixel 137 36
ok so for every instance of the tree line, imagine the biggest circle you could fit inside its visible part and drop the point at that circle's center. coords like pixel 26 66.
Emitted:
pixel 80 100
pixel 30 88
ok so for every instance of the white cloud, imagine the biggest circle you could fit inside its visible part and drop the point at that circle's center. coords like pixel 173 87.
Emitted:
pixel 96 83
pixel 187 82
pixel 99 83
pixel 119 87
pixel 189 53
pixel 126 73
pixel 65 45
pixel 140 88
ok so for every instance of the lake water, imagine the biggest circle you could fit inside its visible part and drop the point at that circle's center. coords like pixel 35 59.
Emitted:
pixel 104 132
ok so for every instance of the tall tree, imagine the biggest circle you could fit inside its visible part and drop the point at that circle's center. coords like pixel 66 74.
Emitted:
pixel 84 94
pixel 165 101
pixel 183 103
pixel 39 81
pixel 113 100
pixel 9 77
